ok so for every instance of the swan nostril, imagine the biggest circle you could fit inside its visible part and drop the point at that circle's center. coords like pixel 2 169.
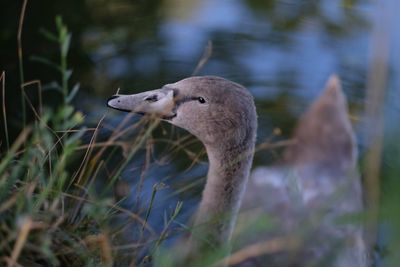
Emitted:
pixel 152 98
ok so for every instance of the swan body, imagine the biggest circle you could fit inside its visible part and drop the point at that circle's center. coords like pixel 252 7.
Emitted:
pixel 222 115
pixel 313 189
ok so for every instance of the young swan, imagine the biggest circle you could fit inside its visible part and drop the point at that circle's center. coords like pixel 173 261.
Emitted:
pixel 310 192
pixel 222 115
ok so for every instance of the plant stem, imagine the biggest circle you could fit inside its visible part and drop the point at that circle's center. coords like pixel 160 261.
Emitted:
pixel 3 82
pixel 20 61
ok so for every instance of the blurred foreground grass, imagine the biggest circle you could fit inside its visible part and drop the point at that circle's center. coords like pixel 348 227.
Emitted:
pixel 51 212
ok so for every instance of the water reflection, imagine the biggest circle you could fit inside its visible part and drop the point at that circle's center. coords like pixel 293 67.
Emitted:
pixel 270 46
pixel 266 44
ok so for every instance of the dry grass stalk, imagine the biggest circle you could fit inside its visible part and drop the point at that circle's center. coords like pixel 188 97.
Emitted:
pixel 26 226
pixel 102 242
pixel 262 248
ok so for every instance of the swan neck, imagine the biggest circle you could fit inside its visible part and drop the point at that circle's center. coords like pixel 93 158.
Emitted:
pixel 226 182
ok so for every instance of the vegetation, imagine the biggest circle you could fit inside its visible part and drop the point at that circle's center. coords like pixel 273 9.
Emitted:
pixel 52 209
pixel 50 213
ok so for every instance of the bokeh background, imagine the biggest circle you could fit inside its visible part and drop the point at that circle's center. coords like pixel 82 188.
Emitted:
pixel 283 51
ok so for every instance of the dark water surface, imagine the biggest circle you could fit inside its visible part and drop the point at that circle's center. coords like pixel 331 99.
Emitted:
pixel 282 51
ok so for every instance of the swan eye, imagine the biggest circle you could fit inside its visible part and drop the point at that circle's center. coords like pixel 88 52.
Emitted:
pixel 201 100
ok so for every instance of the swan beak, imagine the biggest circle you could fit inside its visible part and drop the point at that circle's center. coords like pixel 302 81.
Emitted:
pixel 157 102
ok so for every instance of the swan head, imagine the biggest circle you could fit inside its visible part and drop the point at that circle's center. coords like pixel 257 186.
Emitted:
pixel 213 109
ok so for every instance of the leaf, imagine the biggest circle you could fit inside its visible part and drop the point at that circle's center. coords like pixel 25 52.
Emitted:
pixel 45 61
pixel 48 35
pixel 73 92
pixel 77 118
pixel 52 86
pixel 59 22
pixel 68 74
pixel 65 112
pixel 74 138
pixel 65 45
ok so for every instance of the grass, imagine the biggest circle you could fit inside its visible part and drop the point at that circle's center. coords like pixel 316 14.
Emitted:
pixel 52 212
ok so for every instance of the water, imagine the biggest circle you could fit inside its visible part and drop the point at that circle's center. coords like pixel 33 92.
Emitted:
pixel 281 50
